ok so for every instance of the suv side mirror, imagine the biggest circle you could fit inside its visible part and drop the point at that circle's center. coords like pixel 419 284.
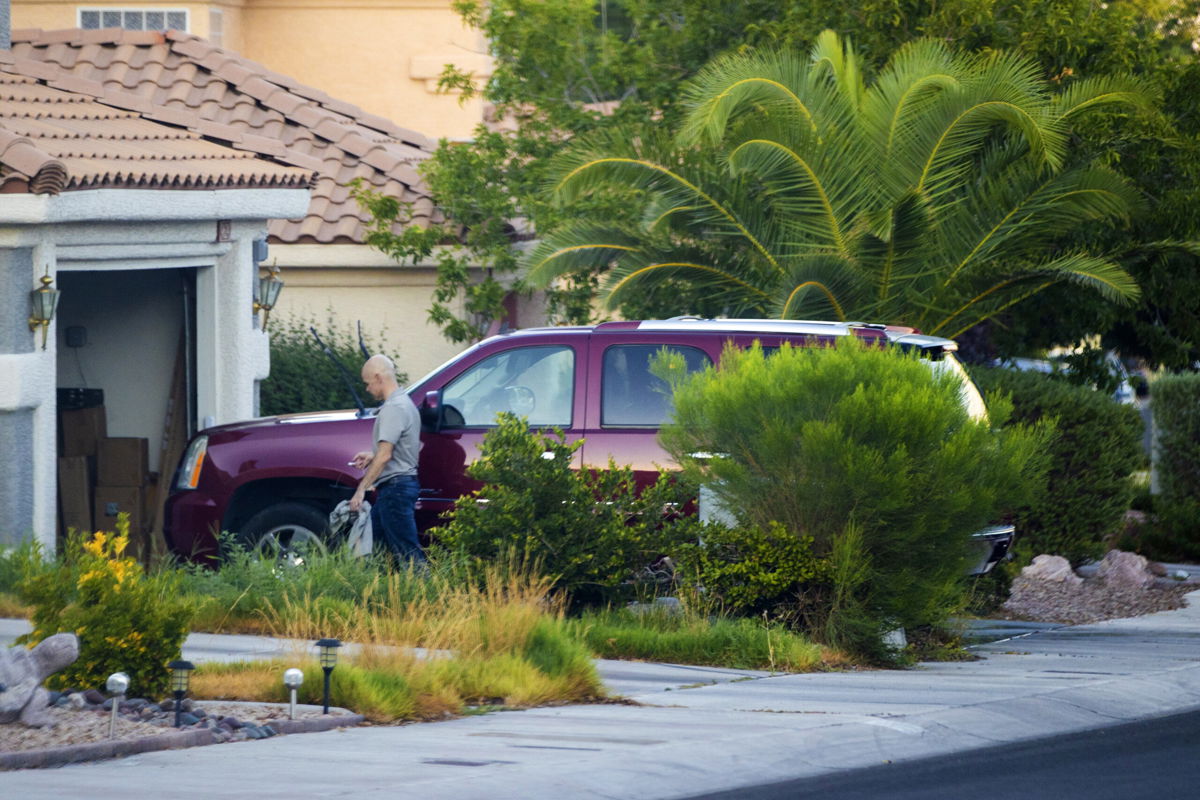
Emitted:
pixel 431 412
pixel 436 415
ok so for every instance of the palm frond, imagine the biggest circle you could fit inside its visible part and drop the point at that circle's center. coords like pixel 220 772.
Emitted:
pixel 1090 94
pixel 577 246
pixel 1097 273
pixel 630 278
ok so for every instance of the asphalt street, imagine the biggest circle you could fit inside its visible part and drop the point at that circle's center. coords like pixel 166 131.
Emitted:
pixel 1154 758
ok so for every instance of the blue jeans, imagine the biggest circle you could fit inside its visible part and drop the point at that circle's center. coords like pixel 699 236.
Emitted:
pixel 393 519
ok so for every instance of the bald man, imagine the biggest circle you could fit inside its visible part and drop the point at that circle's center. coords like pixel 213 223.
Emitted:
pixel 391 467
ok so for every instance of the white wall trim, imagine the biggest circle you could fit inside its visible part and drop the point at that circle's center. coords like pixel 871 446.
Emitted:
pixel 138 205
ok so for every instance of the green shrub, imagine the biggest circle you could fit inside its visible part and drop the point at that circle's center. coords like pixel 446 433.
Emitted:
pixel 751 570
pixel 592 531
pixel 869 454
pixel 1097 448
pixel 1176 404
pixel 302 376
pixel 126 621
pixel 17 561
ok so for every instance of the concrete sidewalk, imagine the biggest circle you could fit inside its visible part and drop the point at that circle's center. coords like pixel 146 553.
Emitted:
pixel 697 730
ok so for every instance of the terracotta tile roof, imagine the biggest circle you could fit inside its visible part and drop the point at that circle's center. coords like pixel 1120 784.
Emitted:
pixel 181 79
pixel 54 140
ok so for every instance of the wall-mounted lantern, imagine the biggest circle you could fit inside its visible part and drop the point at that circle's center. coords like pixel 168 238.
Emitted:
pixel 269 287
pixel 43 302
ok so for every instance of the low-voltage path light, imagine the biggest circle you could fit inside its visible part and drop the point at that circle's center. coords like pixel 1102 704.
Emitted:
pixel 329 655
pixel 117 685
pixel 292 678
pixel 181 673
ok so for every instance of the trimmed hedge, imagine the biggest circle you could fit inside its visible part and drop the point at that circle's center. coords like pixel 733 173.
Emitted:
pixel 1097 448
pixel 1176 404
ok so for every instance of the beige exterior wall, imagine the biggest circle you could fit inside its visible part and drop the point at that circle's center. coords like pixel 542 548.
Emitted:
pixel 392 302
pixel 382 55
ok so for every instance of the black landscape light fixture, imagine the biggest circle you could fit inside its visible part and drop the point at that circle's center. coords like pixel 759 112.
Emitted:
pixel 43 302
pixel 117 685
pixel 329 655
pixel 269 287
pixel 292 678
pixel 181 673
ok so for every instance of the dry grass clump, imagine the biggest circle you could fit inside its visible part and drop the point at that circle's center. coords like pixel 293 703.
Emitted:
pixel 430 646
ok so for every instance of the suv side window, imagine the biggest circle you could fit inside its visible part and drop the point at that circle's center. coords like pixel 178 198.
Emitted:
pixel 537 383
pixel 632 396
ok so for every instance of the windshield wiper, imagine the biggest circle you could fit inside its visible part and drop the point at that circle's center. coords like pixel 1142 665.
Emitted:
pixel 362 411
pixel 362 348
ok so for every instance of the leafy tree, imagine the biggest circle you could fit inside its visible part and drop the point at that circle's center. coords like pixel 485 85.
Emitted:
pixel 933 197
pixel 566 67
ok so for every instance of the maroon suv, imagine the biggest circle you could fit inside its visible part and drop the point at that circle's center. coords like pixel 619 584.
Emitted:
pixel 274 481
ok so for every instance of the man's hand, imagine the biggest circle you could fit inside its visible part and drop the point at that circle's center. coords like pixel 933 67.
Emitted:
pixel 361 460
pixel 374 465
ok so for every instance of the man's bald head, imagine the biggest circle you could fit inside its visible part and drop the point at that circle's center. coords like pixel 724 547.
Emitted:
pixel 379 375
pixel 379 364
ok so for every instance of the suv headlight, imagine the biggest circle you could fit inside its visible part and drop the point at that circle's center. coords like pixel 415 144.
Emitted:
pixel 193 460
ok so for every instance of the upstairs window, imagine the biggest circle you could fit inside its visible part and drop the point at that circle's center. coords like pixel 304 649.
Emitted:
pixel 134 19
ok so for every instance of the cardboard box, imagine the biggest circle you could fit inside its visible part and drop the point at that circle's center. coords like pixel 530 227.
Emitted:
pixel 113 500
pixel 82 430
pixel 123 462
pixel 75 493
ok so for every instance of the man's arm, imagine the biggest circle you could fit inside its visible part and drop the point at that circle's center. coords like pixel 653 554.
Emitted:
pixel 383 452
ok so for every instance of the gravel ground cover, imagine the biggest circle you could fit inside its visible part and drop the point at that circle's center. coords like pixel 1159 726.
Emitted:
pixel 1093 601
pixel 74 724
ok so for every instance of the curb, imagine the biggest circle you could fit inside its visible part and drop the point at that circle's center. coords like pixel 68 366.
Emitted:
pixel 97 751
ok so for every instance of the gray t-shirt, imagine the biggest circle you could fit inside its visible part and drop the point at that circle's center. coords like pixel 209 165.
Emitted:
pixel 398 422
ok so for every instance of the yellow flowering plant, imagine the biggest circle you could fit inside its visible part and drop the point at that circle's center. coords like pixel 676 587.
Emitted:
pixel 126 620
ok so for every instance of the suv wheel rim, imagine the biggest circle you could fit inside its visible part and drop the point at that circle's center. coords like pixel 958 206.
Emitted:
pixel 289 545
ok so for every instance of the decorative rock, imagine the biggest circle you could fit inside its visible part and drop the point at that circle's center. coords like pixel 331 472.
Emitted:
pixel 75 700
pixel 1051 569
pixel 268 730
pixel 187 718
pixel 22 671
pixel 94 697
pixel 1125 569
pixel 198 712
pixel 232 723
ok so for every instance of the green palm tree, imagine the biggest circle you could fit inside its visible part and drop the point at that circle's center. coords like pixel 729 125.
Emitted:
pixel 936 196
